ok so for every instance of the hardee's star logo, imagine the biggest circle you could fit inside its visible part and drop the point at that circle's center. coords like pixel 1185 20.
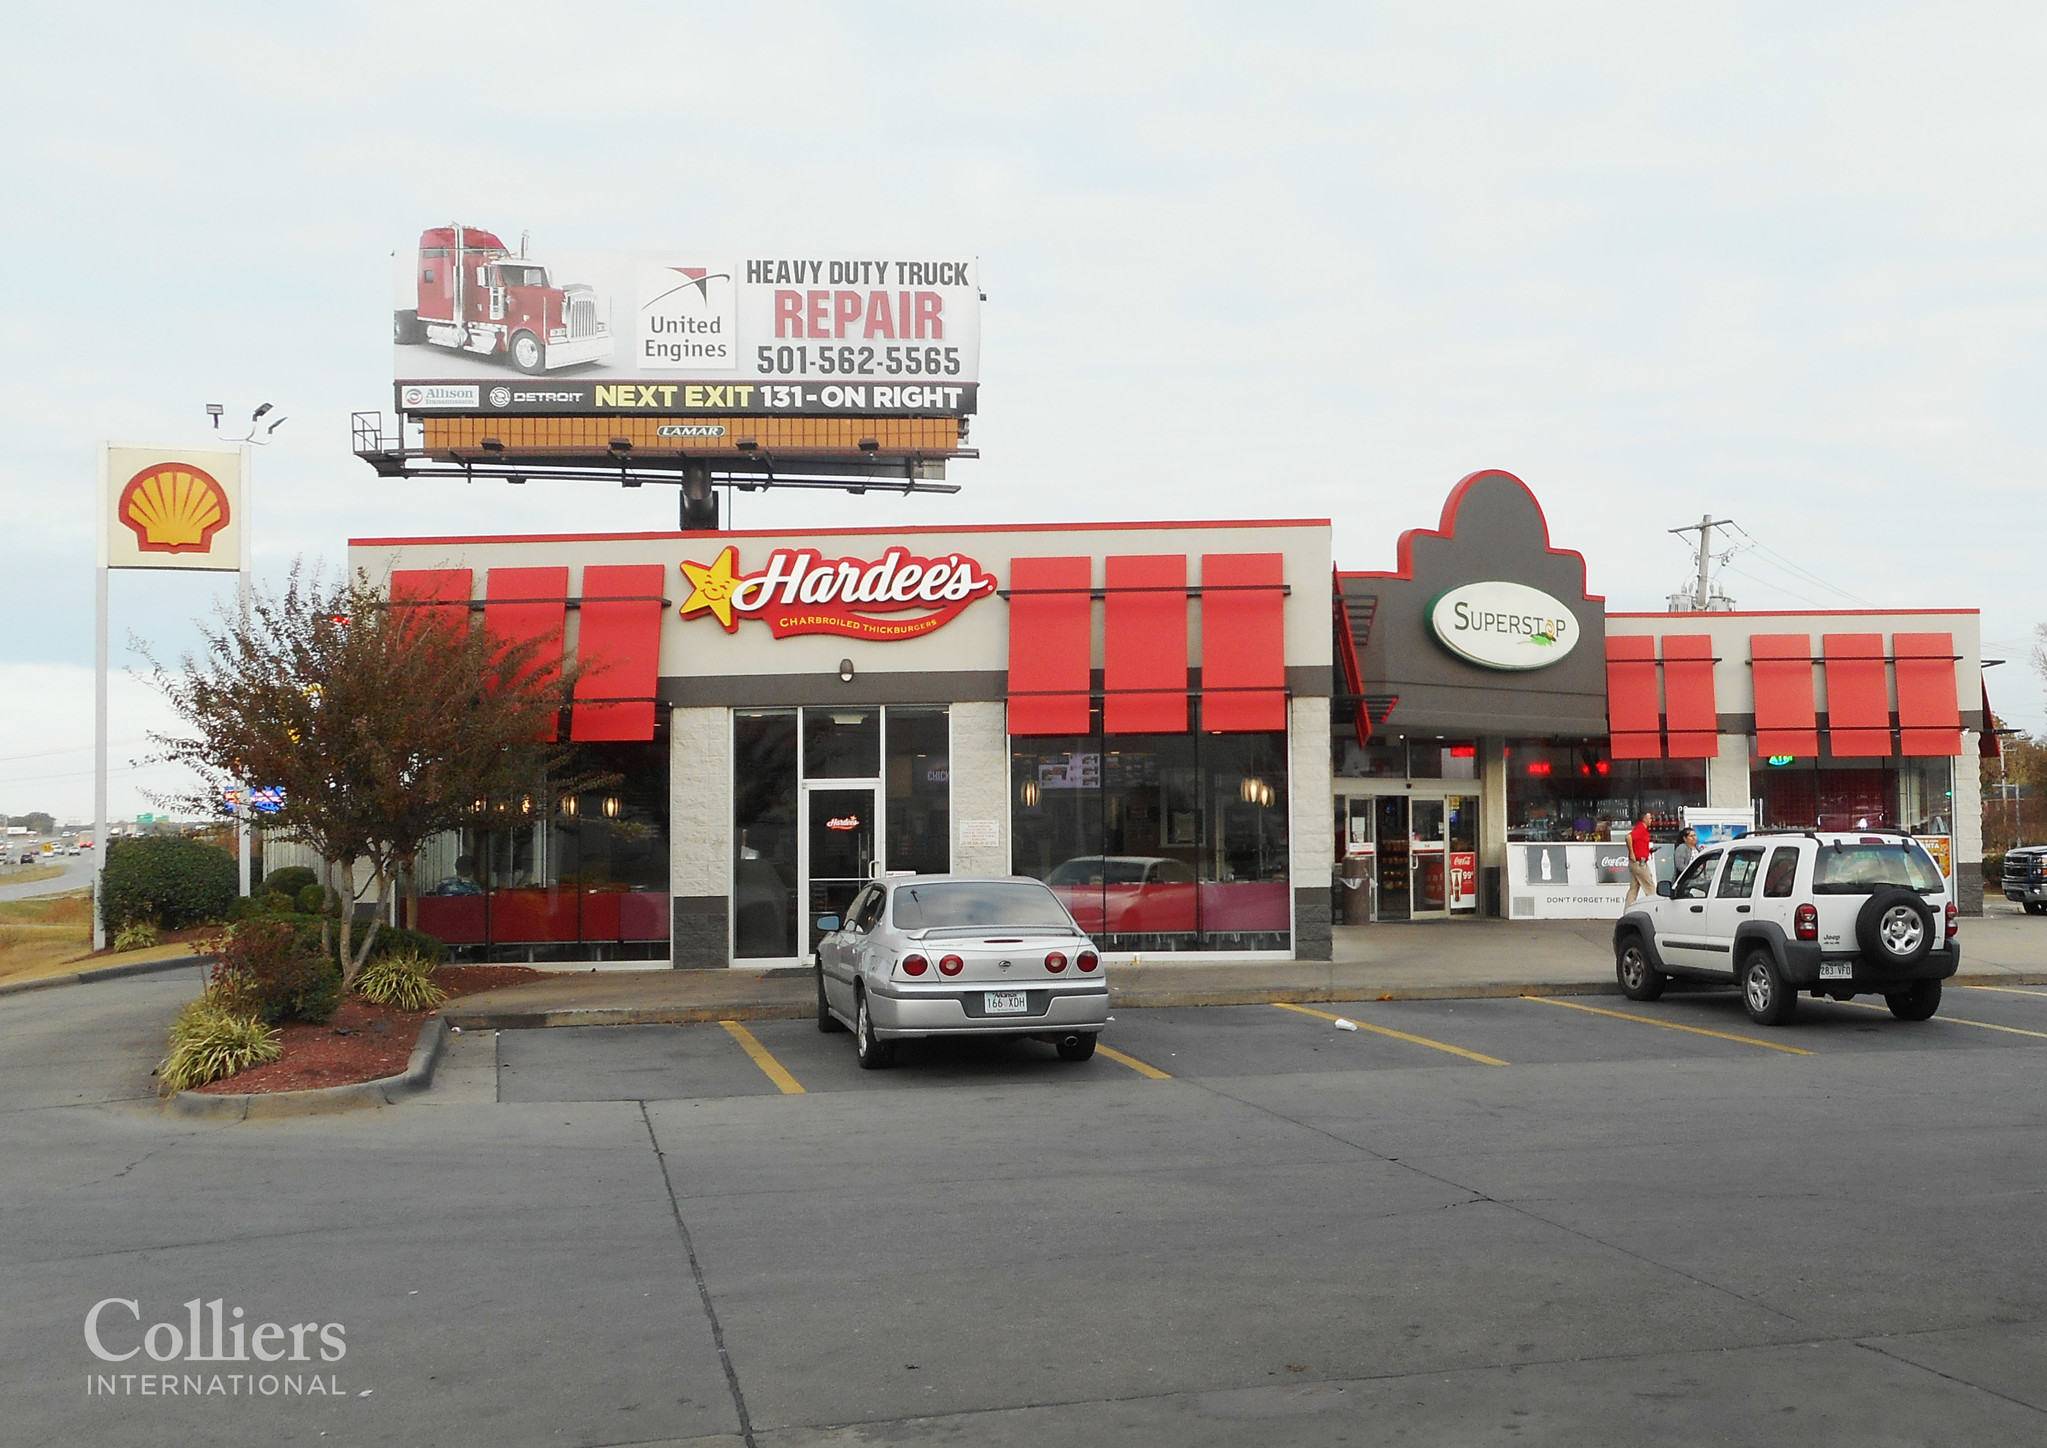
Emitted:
pixel 711 589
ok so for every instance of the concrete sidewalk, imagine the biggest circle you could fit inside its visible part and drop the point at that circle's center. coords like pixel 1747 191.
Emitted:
pixel 1374 962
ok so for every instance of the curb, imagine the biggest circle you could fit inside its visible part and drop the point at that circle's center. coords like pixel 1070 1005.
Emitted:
pixel 417 1076
pixel 104 972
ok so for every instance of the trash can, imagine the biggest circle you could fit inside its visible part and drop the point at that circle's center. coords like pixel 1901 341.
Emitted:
pixel 1356 893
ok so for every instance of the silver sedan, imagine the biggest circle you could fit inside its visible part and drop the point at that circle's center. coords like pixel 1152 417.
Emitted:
pixel 959 955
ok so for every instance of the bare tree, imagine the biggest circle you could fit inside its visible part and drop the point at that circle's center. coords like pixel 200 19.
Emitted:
pixel 381 725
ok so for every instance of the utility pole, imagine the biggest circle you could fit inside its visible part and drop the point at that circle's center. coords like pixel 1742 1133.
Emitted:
pixel 1702 594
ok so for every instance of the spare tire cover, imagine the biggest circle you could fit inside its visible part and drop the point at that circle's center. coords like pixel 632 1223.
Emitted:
pixel 1885 935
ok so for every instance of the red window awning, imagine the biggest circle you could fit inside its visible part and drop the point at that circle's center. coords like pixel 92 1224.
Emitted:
pixel 529 607
pixel 1633 716
pixel 1243 642
pixel 1051 645
pixel 1929 714
pixel 1347 661
pixel 1858 699
pixel 1144 645
pixel 1691 712
pixel 1786 721
pixel 1989 744
pixel 438 597
pixel 618 652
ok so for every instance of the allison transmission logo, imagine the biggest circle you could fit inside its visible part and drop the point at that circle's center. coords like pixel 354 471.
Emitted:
pixel 688 318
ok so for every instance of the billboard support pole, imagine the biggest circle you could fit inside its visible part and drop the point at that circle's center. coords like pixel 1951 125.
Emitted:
pixel 699 500
pixel 244 587
pixel 99 716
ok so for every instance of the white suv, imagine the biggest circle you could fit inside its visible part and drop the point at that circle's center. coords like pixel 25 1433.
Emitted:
pixel 1839 914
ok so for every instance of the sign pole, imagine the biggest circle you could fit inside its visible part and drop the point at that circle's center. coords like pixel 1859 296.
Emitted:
pixel 99 715
pixel 244 585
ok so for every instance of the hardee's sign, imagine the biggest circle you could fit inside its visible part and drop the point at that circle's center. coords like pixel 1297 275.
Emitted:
pixel 173 508
pixel 898 596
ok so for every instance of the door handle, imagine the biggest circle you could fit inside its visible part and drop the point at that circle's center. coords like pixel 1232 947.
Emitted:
pixel 1741 909
pixel 1698 910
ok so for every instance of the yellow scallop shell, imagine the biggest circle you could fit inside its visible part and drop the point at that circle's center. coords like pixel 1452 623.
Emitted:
pixel 175 508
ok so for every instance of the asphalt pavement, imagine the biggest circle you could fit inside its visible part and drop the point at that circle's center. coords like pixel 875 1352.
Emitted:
pixel 1571 1220
pixel 77 876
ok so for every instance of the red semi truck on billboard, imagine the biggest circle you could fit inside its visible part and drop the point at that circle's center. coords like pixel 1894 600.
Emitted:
pixel 475 296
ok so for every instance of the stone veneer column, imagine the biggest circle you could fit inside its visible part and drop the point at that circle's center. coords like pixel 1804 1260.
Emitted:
pixel 1727 782
pixel 700 838
pixel 1967 824
pixel 1310 826
pixel 979 769
pixel 1492 825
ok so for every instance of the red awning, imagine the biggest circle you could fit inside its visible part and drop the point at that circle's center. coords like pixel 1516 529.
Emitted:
pixel 1051 645
pixel 1144 645
pixel 438 596
pixel 1929 715
pixel 1858 698
pixel 1692 715
pixel 1989 744
pixel 618 652
pixel 1632 716
pixel 1786 721
pixel 529 606
pixel 1243 642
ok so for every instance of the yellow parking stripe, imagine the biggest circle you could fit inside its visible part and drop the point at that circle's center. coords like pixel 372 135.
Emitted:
pixel 1671 1025
pixel 770 1067
pixel 1955 1021
pixel 2038 995
pixel 1132 1062
pixel 1396 1035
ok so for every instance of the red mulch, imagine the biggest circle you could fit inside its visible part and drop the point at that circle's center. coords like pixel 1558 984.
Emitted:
pixel 363 1041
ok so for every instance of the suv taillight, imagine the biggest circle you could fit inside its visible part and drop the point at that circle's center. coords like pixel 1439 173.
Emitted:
pixel 1953 916
pixel 1086 961
pixel 1055 962
pixel 1807 922
pixel 915 965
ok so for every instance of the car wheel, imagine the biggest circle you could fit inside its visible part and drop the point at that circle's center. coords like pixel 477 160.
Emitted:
pixel 1916 1004
pixel 1769 998
pixel 1895 928
pixel 826 1021
pixel 1077 1048
pixel 1640 981
pixel 2036 907
pixel 875 1053
pixel 528 355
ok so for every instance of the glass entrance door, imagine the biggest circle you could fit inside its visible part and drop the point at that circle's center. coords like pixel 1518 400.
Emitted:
pixel 1425 834
pixel 840 855
pixel 1389 816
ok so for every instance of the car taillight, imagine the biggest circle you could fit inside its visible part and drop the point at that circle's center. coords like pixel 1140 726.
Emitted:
pixel 1953 916
pixel 1086 961
pixel 951 965
pixel 1055 962
pixel 915 965
pixel 1807 922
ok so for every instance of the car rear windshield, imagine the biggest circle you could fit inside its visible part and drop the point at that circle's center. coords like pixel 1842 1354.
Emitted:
pixel 1872 865
pixel 956 904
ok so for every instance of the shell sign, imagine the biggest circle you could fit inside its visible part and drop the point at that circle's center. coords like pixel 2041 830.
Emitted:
pixel 173 508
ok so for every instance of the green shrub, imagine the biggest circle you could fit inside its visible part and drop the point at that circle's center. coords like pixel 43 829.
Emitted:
pixel 311 900
pixel 404 979
pixel 397 940
pixel 166 878
pixel 137 935
pixel 269 968
pixel 211 1038
pixel 289 881
pixel 1993 870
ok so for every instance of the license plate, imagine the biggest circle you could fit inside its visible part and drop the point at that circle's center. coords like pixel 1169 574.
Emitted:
pixel 1837 970
pixel 1005 1002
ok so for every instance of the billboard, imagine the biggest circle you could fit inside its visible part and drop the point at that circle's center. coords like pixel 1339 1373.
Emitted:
pixel 171 508
pixel 482 327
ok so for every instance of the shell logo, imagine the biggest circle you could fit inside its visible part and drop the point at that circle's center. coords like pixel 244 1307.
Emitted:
pixel 173 508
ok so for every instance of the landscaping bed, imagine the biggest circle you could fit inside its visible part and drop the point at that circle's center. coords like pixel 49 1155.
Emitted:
pixel 363 1041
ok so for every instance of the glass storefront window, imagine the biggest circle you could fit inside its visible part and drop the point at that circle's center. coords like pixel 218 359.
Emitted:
pixel 1578 791
pixel 841 743
pixel 1395 757
pixel 1845 794
pixel 1158 842
pixel 919 786
pixel 764 829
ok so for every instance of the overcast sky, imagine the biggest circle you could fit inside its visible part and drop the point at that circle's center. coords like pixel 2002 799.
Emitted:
pixel 1778 262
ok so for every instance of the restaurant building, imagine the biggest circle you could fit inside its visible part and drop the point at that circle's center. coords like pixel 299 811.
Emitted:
pixel 1206 737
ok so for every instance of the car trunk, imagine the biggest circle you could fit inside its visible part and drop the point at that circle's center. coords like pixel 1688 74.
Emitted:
pixel 983 956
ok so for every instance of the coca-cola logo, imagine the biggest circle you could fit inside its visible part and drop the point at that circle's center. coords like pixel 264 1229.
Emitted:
pixel 900 595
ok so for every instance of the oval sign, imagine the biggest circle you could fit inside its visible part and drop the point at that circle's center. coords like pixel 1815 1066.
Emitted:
pixel 1504 625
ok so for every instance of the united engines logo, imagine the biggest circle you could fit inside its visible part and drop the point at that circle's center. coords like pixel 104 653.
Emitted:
pixel 898 596
pixel 173 508
pixel 689 318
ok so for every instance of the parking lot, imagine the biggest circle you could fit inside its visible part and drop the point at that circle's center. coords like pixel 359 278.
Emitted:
pixel 1507 1220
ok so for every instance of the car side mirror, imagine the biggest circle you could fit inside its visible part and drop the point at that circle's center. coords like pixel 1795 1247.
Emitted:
pixel 1664 887
pixel 827 923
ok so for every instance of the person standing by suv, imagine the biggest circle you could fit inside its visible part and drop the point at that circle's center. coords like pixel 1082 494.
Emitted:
pixel 1641 872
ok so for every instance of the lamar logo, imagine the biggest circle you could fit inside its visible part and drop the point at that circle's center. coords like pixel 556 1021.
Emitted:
pixel 173 508
pixel 801 593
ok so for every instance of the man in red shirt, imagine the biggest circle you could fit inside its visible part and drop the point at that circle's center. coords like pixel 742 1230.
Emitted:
pixel 1641 855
